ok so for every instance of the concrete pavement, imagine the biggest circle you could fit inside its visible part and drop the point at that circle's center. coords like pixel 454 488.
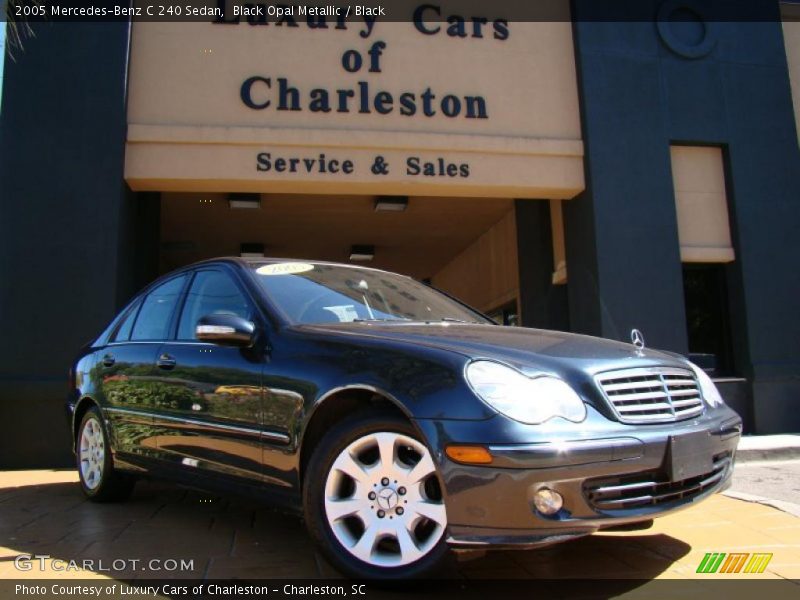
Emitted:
pixel 773 483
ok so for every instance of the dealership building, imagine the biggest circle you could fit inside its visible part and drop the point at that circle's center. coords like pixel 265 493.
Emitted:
pixel 576 172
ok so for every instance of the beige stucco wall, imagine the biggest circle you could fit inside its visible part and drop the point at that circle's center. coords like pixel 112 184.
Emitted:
pixel 791 37
pixel 701 202
pixel 485 274
pixel 189 129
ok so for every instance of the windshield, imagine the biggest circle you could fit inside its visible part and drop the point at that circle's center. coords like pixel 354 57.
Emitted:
pixel 319 293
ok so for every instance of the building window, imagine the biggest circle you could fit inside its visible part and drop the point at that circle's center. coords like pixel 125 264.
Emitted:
pixel 701 203
pixel 707 319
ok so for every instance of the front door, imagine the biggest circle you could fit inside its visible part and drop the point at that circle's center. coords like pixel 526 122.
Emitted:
pixel 211 414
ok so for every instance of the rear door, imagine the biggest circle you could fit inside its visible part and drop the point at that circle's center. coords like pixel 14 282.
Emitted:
pixel 130 382
pixel 211 415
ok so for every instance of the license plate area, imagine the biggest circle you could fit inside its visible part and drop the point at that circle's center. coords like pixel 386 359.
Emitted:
pixel 690 455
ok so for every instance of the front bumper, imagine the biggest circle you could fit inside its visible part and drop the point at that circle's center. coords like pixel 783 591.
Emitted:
pixel 608 475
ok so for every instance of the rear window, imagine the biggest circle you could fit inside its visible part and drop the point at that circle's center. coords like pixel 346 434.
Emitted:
pixel 156 312
pixel 123 333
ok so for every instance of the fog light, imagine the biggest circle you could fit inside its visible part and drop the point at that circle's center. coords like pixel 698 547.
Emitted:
pixel 547 501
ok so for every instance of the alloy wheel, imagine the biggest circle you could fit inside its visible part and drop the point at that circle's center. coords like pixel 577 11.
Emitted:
pixel 92 453
pixel 383 501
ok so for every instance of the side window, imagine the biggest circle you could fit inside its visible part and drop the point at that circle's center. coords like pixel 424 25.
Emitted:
pixel 153 320
pixel 212 292
pixel 124 330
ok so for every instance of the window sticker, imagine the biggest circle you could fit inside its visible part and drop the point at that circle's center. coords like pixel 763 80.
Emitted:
pixel 287 268
pixel 346 313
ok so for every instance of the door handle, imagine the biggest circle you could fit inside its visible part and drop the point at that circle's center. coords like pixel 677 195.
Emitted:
pixel 166 362
pixel 109 360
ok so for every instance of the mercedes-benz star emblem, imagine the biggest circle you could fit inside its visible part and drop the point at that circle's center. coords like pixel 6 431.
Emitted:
pixel 637 339
pixel 387 498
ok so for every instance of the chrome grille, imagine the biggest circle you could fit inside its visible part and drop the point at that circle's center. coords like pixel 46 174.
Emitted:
pixel 651 488
pixel 652 394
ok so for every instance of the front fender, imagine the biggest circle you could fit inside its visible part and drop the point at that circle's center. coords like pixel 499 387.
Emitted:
pixel 423 382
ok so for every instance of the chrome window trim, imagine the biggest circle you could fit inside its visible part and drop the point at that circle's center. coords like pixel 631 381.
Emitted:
pixel 177 342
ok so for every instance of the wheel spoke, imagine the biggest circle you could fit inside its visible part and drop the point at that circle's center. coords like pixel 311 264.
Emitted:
pixel 422 469
pixel 364 546
pixel 337 509
pixel 408 548
pixel 386 446
pixel 433 511
pixel 350 467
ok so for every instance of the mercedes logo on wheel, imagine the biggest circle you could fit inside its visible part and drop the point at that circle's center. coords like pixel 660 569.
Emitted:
pixel 387 498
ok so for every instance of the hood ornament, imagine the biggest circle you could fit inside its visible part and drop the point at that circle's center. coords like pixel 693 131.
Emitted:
pixel 637 339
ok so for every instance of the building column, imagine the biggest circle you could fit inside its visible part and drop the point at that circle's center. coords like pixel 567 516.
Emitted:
pixel 63 217
pixel 542 304
pixel 623 254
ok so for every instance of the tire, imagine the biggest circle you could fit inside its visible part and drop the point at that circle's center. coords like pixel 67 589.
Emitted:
pixel 99 480
pixel 366 487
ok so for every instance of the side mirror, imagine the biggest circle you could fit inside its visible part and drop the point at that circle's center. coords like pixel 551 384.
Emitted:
pixel 226 330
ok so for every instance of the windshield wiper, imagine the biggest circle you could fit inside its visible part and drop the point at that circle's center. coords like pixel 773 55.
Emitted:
pixel 426 321
pixel 454 320
pixel 375 319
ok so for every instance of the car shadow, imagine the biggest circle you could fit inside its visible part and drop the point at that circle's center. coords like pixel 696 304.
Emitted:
pixel 170 532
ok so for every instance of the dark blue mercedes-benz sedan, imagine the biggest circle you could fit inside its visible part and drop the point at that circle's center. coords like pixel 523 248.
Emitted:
pixel 398 421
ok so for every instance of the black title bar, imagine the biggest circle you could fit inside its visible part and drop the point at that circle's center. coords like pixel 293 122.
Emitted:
pixel 290 12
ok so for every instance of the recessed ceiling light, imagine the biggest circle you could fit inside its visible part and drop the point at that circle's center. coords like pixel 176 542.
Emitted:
pixel 362 253
pixel 244 200
pixel 391 203
pixel 251 250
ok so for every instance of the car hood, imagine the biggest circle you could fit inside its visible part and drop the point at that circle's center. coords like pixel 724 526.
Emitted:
pixel 527 349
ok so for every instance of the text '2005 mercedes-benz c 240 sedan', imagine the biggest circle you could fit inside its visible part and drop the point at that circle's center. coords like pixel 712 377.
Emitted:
pixel 397 420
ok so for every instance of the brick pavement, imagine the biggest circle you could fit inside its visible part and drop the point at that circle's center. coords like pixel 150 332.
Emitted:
pixel 43 512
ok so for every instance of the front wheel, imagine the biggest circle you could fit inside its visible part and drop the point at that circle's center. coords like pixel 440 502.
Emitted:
pixel 99 480
pixel 373 500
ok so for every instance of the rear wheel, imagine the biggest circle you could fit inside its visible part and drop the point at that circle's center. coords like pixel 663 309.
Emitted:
pixel 373 500
pixel 99 480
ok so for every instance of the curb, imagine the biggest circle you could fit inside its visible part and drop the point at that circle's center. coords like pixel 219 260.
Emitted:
pixel 762 448
pixel 765 455
pixel 782 505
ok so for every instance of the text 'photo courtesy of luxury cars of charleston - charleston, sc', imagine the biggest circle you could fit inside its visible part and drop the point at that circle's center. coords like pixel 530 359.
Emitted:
pixel 176 589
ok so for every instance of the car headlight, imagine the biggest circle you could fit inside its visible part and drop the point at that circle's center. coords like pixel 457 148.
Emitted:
pixel 531 400
pixel 710 392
